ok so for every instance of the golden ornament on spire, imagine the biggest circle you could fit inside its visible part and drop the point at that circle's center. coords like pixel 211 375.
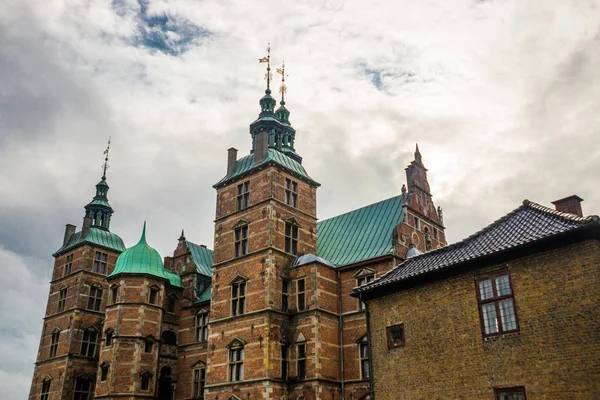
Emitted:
pixel 106 158
pixel 267 59
pixel 282 88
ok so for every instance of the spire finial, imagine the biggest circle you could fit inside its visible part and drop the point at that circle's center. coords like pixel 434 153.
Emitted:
pixel 106 159
pixel 143 238
pixel 418 157
pixel 267 59
pixel 182 237
pixel 282 88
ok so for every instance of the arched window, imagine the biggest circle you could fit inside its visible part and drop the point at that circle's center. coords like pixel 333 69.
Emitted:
pixel 46 383
pixel 169 337
pixel 145 380
pixel 108 335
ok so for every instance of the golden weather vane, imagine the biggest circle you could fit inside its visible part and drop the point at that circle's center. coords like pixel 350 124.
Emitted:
pixel 106 158
pixel 267 59
pixel 282 88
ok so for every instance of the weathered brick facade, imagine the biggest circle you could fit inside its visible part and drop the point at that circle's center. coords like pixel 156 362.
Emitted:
pixel 298 333
pixel 552 352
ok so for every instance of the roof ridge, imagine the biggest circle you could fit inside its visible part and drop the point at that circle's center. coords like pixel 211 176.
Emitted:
pixel 360 208
pixel 199 245
pixel 566 216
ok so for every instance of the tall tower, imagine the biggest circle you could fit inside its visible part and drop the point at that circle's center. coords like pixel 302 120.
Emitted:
pixel 423 227
pixel 67 358
pixel 265 218
pixel 138 356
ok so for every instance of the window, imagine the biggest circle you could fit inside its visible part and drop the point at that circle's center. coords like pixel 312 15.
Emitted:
pixel 199 383
pixel 236 364
pixel 496 305
pixel 360 281
pixel 54 343
pixel 104 371
pixel 95 298
pixel 83 389
pixel 285 293
pixel 435 234
pixel 153 293
pixel 291 238
pixel 100 263
pixel 68 265
pixel 202 327
pixel 301 294
pixel 515 393
pixel 45 389
pixel 291 193
pixel 238 298
pixel 395 336
pixel 145 383
pixel 363 348
pixel 148 346
pixel 171 304
pixel 285 361
pixel 169 337
pixel 115 294
pixel 301 361
pixel 62 300
pixel 88 342
pixel 109 337
pixel 241 241
pixel 243 195
pixel 417 223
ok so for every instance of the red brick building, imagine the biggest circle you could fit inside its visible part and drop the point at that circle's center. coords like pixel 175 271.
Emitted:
pixel 510 313
pixel 266 314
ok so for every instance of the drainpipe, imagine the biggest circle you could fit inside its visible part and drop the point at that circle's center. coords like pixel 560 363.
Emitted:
pixel 341 332
pixel 371 388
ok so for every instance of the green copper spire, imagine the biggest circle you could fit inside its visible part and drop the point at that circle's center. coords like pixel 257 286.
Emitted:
pixel 142 259
pixel 282 113
pixel 99 210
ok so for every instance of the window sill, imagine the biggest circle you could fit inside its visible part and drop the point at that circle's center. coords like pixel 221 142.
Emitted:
pixel 500 336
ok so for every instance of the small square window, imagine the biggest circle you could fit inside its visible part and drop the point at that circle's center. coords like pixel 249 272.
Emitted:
pixel 514 393
pixel 395 336
pixel 153 293
pixel 171 305
pixel 148 346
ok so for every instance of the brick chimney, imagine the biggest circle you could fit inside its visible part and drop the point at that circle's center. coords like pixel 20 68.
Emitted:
pixel 231 159
pixel 69 231
pixel 262 146
pixel 570 205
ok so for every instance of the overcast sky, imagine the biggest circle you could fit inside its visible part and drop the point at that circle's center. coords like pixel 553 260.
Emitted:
pixel 502 96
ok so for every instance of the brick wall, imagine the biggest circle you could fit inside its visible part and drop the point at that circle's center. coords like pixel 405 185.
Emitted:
pixel 554 356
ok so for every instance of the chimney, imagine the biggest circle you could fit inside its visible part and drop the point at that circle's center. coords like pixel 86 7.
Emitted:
pixel 262 146
pixel 231 159
pixel 570 205
pixel 87 224
pixel 69 230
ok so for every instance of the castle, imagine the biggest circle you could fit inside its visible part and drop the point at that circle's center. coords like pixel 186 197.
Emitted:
pixel 266 314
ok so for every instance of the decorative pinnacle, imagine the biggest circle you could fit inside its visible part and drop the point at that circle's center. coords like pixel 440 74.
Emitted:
pixel 267 59
pixel 182 237
pixel 282 88
pixel 143 238
pixel 106 160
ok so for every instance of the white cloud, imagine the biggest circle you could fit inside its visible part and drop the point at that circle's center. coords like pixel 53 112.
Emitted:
pixel 501 95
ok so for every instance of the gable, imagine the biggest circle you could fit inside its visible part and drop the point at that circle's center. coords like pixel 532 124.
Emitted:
pixel 361 234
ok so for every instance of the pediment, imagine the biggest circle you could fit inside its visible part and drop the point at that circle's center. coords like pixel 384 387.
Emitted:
pixel 238 278
pixel 199 364
pixel 300 338
pixel 241 222
pixel 237 342
pixel 47 378
pixel 292 220
pixel 364 272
